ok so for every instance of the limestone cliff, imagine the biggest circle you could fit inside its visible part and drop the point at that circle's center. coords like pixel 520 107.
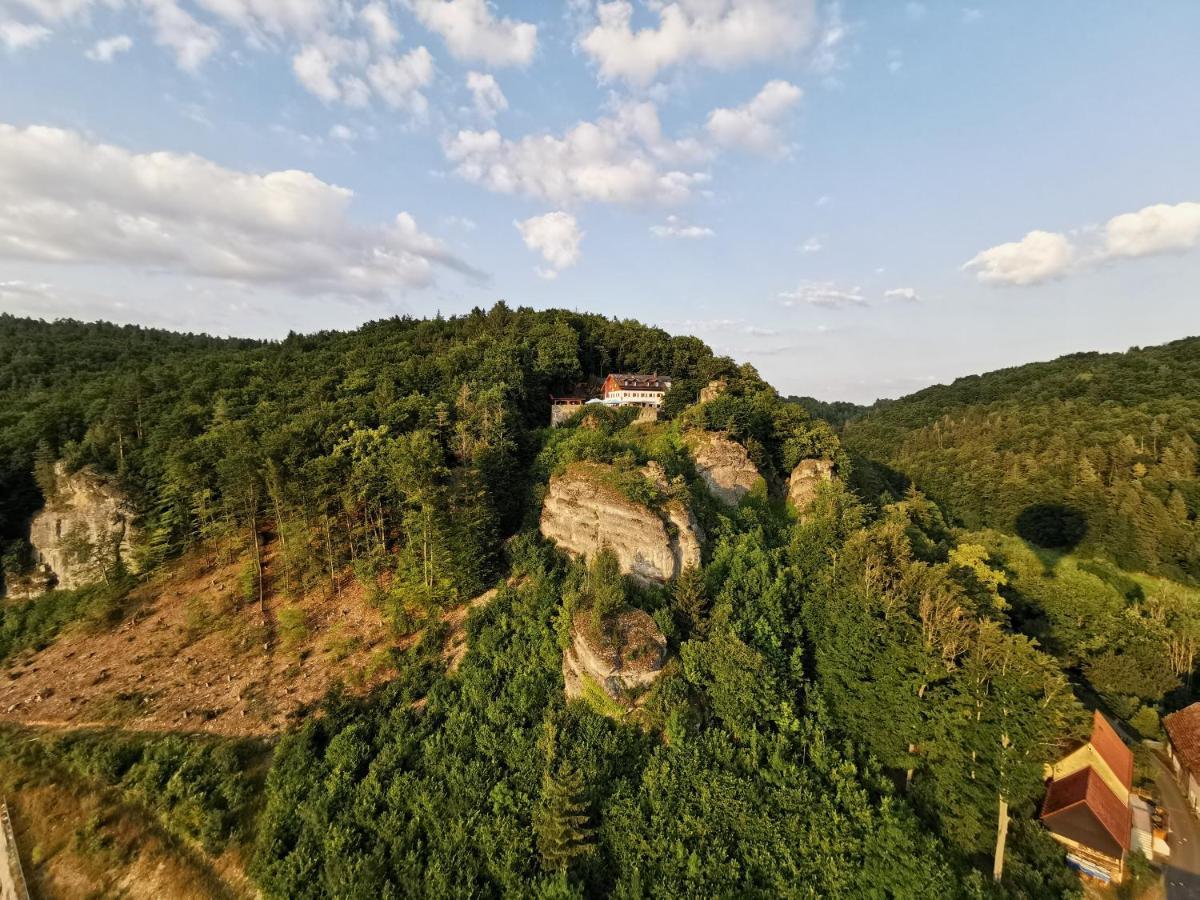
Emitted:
pixel 624 658
pixel 724 465
pixel 806 479
pixel 583 513
pixel 82 530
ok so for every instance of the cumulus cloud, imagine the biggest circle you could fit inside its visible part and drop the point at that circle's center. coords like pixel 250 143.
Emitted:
pixel 622 158
pixel 754 126
pixel 108 49
pixel 489 100
pixel 473 33
pixel 714 33
pixel 66 200
pixel 675 227
pixel 333 69
pixel 823 293
pixel 556 236
pixel 343 133
pixel 191 41
pixel 1160 228
pixel 379 23
pixel 19 36
pixel 812 245
pixel 902 293
pixel 1037 257
pixel 399 79
pixel 1042 255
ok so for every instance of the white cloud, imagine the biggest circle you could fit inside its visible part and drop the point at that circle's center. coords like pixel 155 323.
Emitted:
pixel 971 14
pixel 107 49
pixel 623 158
pixel 379 23
pixel 674 227
pixel 556 236
pixel 827 55
pixel 915 10
pixel 1042 255
pixel 54 10
pixel 489 100
pixel 823 293
pixel 812 245
pixel 715 33
pixel 275 18
pixel 66 200
pixel 754 126
pixel 473 33
pixel 823 200
pixel 399 79
pixel 192 42
pixel 314 70
pixel 902 293
pixel 19 36
pixel 1037 257
pixel 343 133
pixel 1160 228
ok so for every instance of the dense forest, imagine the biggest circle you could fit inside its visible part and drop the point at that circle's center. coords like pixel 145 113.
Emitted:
pixel 853 693
pixel 1095 451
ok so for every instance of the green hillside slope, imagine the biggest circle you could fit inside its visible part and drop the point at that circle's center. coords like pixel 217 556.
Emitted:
pixel 1097 451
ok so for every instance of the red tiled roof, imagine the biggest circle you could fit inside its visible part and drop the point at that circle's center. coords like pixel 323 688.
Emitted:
pixel 1183 728
pixel 1112 749
pixel 1070 803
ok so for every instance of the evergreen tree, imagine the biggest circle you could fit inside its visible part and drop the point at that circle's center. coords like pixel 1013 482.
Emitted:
pixel 561 820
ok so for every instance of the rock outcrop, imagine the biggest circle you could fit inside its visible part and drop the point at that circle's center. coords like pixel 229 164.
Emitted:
pixel 624 658
pixel 82 530
pixel 583 513
pixel 806 480
pixel 713 389
pixel 724 465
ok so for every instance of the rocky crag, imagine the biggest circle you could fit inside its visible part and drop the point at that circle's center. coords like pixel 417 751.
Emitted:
pixel 724 465
pixel 84 528
pixel 624 657
pixel 583 512
pixel 806 480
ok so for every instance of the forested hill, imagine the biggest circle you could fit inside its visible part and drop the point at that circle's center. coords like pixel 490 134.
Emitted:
pixel 831 680
pixel 1091 450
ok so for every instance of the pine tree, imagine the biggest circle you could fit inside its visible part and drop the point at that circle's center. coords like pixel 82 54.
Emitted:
pixel 561 821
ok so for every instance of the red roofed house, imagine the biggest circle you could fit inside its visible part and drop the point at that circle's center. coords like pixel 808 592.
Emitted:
pixel 1183 748
pixel 1087 803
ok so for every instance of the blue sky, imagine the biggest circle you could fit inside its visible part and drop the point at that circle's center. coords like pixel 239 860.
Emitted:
pixel 860 199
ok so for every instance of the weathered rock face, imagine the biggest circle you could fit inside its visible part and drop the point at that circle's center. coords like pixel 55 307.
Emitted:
pixel 82 529
pixel 583 514
pixel 806 479
pixel 713 389
pixel 624 660
pixel 724 465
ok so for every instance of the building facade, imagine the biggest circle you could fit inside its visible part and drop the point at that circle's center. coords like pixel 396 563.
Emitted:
pixel 1183 749
pixel 635 390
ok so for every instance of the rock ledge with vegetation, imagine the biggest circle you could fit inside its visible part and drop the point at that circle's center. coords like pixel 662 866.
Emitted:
pixel 584 511
pixel 724 465
pixel 624 656
pixel 84 529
